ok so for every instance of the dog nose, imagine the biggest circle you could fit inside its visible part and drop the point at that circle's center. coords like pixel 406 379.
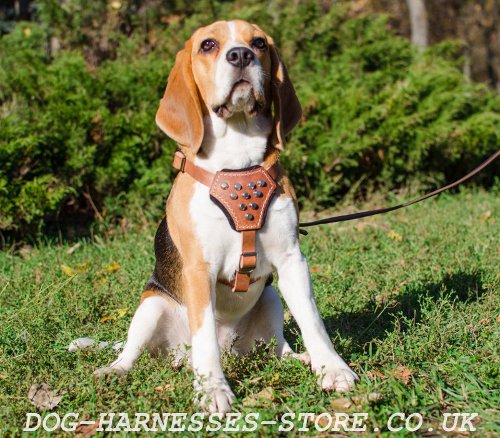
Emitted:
pixel 240 57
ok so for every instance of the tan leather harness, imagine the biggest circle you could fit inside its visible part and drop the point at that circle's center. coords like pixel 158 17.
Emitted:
pixel 244 197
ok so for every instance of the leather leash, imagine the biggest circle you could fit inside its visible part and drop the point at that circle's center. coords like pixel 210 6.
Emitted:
pixel 361 214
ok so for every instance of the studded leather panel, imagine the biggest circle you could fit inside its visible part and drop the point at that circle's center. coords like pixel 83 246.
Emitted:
pixel 244 196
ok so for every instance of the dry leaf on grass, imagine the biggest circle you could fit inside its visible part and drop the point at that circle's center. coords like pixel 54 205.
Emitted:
pixel 68 271
pixel 341 404
pixel 43 396
pixel 25 251
pixel 113 267
pixel 320 420
pixel 367 398
pixel 37 274
pixel 487 217
pixel 374 396
pixel 118 313
pixel 73 248
pixel 166 387
pixel 375 373
pixel 71 272
pixel 394 235
pixel 255 380
pixel 86 429
pixel 403 373
pixel 257 399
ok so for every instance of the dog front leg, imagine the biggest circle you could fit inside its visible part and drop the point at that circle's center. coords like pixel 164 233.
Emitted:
pixel 296 286
pixel 212 391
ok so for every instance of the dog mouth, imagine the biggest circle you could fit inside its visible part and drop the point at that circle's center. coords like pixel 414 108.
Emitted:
pixel 242 82
pixel 241 98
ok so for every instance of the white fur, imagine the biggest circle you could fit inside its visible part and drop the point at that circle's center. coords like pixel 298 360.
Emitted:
pixel 226 75
pixel 232 29
pixel 237 320
pixel 277 248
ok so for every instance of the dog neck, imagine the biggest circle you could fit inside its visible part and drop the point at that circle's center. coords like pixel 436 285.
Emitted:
pixel 234 143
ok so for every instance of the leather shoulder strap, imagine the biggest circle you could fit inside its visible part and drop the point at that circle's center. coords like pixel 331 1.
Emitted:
pixel 181 163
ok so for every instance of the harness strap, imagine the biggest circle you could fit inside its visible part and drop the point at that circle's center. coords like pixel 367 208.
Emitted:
pixel 201 175
pixel 248 262
pixel 248 258
pixel 180 162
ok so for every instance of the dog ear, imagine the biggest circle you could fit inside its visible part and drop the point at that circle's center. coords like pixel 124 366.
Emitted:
pixel 180 115
pixel 287 109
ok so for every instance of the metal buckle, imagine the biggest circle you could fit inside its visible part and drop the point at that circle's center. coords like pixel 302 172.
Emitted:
pixel 179 161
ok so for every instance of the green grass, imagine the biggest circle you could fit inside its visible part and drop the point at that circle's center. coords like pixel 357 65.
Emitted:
pixel 416 289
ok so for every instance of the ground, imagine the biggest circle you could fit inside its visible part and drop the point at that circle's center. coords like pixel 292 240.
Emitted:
pixel 410 299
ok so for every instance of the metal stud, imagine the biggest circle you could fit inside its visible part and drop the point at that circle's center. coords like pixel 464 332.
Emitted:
pixel 251 185
pixel 253 206
pixel 249 217
pixel 238 186
pixel 224 186
pixel 233 196
pixel 257 193
pixel 261 183
pixel 246 195
pixel 243 207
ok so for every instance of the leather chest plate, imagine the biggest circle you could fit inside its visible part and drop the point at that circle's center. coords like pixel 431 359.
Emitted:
pixel 243 196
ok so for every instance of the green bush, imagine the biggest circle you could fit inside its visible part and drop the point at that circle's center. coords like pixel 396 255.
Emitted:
pixel 73 137
pixel 77 132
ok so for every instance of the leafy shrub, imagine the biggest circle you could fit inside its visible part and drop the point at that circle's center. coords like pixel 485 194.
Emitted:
pixel 73 136
pixel 77 132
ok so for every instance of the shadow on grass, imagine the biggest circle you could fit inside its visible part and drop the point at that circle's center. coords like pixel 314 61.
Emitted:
pixel 376 320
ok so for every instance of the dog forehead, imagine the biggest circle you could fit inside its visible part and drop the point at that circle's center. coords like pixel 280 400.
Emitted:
pixel 226 31
pixel 218 30
pixel 244 31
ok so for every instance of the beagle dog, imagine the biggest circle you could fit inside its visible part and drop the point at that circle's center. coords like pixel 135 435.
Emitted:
pixel 229 104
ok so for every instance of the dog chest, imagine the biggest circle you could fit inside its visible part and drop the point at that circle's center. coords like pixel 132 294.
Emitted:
pixel 222 245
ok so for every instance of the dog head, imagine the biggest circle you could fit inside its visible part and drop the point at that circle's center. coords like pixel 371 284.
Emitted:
pixel 227 68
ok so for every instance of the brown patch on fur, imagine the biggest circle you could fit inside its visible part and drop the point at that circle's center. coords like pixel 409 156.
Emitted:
pixel 179 114
pixel 285 188
pixel 150 293
pixel 195 278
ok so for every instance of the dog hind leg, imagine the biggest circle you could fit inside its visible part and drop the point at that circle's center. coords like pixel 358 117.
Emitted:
pixel 143 329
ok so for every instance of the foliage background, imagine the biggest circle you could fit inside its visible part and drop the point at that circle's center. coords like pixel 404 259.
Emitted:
pixel 79 87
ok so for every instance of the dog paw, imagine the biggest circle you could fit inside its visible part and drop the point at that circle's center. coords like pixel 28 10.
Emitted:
pixel 179 358
pixel 214 397
pixel 301 357
pixel 115 368
pixel 337 377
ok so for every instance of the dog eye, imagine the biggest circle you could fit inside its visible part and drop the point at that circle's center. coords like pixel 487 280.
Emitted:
pixel 259 43
pixel 208 45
